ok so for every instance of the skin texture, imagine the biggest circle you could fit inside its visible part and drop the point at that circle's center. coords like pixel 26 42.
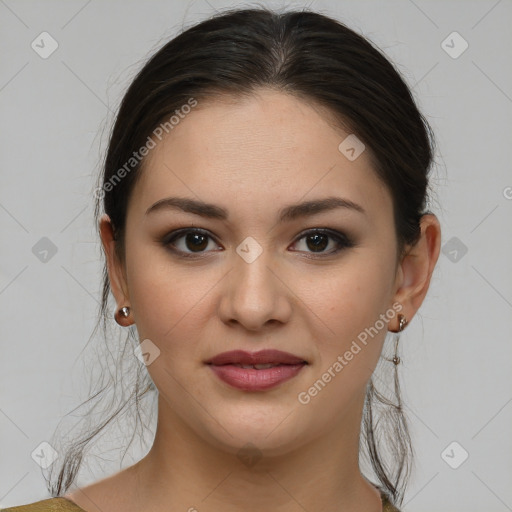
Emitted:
pixel 253 157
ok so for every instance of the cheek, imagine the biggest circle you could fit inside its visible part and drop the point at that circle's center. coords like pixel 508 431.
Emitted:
pixel 167 298
pixel 358 293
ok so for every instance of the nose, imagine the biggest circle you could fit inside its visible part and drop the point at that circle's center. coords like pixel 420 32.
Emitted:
pixel 255 295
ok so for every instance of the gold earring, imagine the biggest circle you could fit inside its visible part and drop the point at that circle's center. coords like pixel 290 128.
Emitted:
pixel 121 313
pixel 402 322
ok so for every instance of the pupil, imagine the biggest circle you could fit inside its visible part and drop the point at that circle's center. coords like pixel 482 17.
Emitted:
pixel 192 238
pixel 317 244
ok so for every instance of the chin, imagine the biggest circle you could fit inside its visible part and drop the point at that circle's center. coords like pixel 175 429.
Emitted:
pixel 259 430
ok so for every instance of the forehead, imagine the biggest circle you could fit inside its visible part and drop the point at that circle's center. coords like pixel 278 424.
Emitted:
pixel 259 153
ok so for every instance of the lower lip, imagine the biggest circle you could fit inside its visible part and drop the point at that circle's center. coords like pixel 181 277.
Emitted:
pixel 249 379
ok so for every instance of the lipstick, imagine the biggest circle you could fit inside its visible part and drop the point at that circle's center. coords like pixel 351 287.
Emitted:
pixel 256 371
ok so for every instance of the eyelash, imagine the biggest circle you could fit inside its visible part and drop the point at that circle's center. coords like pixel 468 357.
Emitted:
pixel 342 240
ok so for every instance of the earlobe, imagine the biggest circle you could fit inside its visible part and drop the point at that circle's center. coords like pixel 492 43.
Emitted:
pixel 417 266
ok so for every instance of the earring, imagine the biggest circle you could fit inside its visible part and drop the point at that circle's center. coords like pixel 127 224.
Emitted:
pixel 402 322
pixel 124 312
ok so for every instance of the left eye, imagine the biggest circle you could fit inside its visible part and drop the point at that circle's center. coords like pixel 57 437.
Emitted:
pixel 196 241
pixel 318 240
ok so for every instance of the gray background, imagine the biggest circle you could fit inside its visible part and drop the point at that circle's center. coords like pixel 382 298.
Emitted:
pixel 55 114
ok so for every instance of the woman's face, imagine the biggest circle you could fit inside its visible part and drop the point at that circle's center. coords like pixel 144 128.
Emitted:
pixel 253 280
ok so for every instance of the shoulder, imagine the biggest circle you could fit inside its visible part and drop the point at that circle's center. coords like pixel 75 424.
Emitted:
pixel 48 505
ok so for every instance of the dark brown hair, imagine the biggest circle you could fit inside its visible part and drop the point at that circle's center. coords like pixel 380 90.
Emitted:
pixel 321 61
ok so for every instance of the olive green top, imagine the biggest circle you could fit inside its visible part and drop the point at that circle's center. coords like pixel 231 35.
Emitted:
pixel 52 504
pixel 65 505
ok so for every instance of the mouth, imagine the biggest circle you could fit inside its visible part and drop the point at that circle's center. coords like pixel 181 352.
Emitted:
pixel 257 371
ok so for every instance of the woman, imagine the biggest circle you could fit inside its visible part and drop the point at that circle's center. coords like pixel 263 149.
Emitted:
pixel 265 227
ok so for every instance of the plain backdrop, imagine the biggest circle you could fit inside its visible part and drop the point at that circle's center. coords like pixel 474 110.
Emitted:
pixel 55 114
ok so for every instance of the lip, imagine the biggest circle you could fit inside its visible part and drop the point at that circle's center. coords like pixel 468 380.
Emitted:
pixel 251 379
pixel 261 357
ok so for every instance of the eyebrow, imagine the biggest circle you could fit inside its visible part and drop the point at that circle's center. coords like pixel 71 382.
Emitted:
pixel 287 213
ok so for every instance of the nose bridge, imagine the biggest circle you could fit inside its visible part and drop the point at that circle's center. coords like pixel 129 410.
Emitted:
pixel 254 281
pixel 254 294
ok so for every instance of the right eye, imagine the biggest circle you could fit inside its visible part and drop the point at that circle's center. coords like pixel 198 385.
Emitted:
pixel 180 241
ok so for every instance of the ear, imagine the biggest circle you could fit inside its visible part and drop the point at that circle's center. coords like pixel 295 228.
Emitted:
pixel 417 265
pixel 116 272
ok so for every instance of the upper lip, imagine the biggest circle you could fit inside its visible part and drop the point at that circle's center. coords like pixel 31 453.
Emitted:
pixel 250 358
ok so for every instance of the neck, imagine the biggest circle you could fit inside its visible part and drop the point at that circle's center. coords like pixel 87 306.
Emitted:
pixel 183 471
